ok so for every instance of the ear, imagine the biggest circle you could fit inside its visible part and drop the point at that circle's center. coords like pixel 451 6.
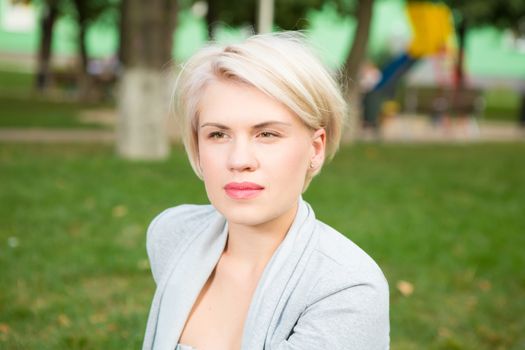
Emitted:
pixel 318 149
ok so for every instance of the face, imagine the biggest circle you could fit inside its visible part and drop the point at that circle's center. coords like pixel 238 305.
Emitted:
pixel 254 153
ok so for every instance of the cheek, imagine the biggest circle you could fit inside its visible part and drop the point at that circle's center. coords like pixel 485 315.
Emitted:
pixel 208 163
pixel 289 165
pixel 209 158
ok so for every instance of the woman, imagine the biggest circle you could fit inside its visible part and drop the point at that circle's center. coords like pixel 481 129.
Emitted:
pixel 255 269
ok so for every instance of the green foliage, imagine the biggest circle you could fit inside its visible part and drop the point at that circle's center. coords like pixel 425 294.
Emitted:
pixel 238 13
pixel 500 13
pixel 92 10
pixel 446 219
pixel 291 15
pixel 288 14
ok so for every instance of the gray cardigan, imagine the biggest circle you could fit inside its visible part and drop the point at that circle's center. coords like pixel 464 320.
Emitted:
pixel 318 291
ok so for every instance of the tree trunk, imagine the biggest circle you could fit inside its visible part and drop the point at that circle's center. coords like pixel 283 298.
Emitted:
pixel 83 81
pixel 82 48
pixel 123 35
pixel 142 106
pixel 265 11
pixel 459 71
pixel 168 24
pixel 353 64
pixel 212 16
pixel 86 90
pixel 143 98
pixel 522 110
pixel 47 23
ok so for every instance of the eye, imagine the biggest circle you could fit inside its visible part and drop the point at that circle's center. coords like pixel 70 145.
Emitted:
pixel 217 135
pixel 268 134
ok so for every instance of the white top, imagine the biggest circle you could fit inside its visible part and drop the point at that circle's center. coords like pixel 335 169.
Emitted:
pixel 318 291
pixel 184 347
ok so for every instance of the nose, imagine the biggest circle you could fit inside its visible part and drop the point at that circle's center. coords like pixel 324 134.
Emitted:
pixel 242 156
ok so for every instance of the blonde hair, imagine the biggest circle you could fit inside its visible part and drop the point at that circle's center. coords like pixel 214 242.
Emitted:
pixel 279 64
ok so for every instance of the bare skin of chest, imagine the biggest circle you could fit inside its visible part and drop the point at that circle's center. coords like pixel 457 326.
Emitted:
pixel 217 318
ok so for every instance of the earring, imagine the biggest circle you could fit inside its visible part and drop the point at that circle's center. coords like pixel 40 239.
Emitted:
pixel 312 165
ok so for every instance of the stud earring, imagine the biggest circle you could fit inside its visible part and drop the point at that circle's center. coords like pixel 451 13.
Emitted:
pixel 312 165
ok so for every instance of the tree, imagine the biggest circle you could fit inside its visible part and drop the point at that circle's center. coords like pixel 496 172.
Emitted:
pixel 357 52
pixel 147 29
pixel 471 13
pixel 288 14
pixel 291 15
pixel 504 14
pixel 500 13
pixel 85 13
pixel 47 23
pixel 354 61
pixel 239 13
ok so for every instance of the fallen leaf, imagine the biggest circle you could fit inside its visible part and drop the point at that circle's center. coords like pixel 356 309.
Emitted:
pixel 98 318
pixel 371 153
pixel 63 320
pixel 60 184
pixel 4 328
pixel 471 302
pixel 13 242
pixel 89 203
pixel 405 288
pixel 120 211
pixel 485 285
pixel 444 332
pixel 143 264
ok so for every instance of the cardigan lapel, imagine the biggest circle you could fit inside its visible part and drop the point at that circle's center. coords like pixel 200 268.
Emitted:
pixel 186 279
pixel 279 279
pixel 179 289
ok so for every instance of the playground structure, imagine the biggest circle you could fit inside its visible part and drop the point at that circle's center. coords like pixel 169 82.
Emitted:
pixel 432 39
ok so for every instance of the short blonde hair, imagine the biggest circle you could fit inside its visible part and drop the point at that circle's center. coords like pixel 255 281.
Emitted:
pixel 279 64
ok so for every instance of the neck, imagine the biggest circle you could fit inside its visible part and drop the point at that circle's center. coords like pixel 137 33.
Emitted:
pixel 253 246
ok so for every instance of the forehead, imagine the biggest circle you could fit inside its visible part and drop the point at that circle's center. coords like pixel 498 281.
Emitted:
pixel 230 102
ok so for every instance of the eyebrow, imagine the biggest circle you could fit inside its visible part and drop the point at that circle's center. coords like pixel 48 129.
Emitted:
pixel 257 126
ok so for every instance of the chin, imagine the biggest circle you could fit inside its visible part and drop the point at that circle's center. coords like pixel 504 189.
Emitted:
pixel 246 215
pixel 252 212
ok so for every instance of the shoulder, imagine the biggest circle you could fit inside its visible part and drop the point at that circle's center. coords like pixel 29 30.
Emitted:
pixel 350 292
pixel 347 303
pixel 343 260
pixel 172 227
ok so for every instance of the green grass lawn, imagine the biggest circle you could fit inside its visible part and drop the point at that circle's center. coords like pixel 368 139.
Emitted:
pixel 13 81
pixel 446 219
pixel 20 107
pixel 502 104
pixel 17 112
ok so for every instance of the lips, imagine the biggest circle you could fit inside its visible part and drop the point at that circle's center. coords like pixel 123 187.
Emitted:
pixel 243 190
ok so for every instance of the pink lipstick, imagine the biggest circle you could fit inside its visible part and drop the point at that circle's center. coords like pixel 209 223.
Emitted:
pixel 243 190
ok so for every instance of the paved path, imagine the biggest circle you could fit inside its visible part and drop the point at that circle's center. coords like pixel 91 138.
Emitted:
pixel 421 129
pixel 56 135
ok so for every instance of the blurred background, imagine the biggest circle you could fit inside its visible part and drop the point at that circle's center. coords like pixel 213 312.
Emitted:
pixel 430 179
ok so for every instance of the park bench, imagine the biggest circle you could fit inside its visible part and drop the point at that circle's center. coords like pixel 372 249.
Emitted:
pixel 99 87
pixel 437 101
